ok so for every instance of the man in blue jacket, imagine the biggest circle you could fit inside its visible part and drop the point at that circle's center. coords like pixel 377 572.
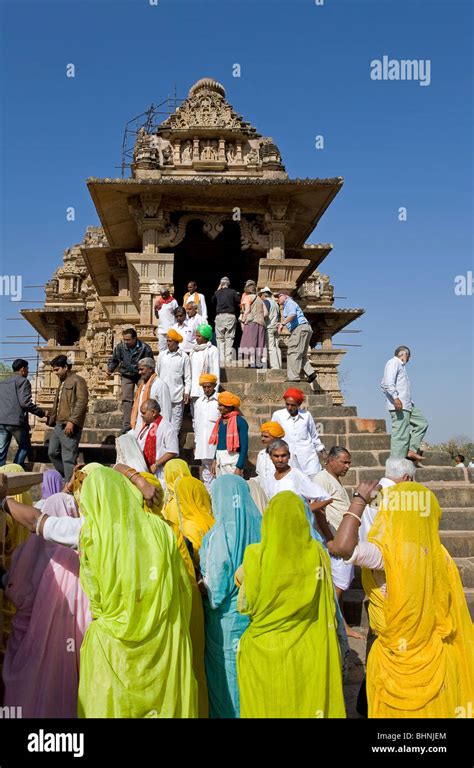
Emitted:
pixel 15 405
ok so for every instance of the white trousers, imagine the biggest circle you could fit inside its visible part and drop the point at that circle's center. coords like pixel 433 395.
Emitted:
pixel 206 475
pixel 162 345
pixel 226 462
pixel 177 410
pixel 274 351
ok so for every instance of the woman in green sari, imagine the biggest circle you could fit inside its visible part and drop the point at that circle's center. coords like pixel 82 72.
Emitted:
pixel 288 662
pixel 136 657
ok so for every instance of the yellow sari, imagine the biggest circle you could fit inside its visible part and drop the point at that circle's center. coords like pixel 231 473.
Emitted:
pixel 194 510
pixel 12 534
pixel 136 657
pixel 421 664
pixel 174 471
pixel 288 659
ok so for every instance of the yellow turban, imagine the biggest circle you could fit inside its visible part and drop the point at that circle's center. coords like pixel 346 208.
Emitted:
pixel 228 399
pixel 174 335
pixel 273 428
pixel 207 378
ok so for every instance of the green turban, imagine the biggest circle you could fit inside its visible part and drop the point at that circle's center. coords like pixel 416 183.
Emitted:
pixel 205 331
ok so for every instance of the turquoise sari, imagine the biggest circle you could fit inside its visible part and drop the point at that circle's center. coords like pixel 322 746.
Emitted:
pixel 238 523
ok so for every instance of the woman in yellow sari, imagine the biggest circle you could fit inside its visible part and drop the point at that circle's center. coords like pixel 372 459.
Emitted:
pixel 136 657
pixel 288 661
pixel 422 661
pixel 194 511
pixel 175 471
pixel 12 534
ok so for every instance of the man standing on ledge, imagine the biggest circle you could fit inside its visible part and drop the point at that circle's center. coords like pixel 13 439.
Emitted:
pixel 125 357
pixel 300 337
pixel 231 437
pixel 408 423
pixel 67 417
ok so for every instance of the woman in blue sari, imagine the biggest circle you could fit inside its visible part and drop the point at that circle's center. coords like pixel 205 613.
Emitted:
pixel 237 524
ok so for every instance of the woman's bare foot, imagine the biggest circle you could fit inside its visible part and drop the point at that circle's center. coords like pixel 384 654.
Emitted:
pixel 351 632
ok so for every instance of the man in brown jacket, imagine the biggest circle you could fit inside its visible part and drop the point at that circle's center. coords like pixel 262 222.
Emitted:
pixel 67 417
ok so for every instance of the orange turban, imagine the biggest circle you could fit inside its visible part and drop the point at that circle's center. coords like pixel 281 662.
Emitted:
pixel 174 335
pixel 295 393
pixel 228 399
pixel 207 378
pixel 273 428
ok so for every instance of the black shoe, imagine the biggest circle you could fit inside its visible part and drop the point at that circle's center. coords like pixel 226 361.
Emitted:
pixel 311 378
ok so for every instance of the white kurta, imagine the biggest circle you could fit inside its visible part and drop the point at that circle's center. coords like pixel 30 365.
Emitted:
pixel 166 442
pixel 200 300
pixel 193 324
pixel 174 369
pixel 265 468
pixel 299 483
pixel 206 414
pixel 203 360
pixel 186 331
pixel 302 438
pixel 158 391
pixel 166 318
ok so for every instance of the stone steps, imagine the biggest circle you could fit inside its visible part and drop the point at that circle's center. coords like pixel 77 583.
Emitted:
pixel 456 518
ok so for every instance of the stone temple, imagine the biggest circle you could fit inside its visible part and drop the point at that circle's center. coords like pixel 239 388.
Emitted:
pixel 207 196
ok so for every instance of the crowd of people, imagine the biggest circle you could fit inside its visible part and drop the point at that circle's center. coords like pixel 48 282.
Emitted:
pixel 138 590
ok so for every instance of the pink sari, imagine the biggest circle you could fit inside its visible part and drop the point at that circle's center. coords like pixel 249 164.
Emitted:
pixel 41 667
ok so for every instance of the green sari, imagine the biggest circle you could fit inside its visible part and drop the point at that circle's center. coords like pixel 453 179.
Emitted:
pixel 136 657
pixel 288 661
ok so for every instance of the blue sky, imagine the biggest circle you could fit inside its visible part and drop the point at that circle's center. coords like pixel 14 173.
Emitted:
pixel 305 71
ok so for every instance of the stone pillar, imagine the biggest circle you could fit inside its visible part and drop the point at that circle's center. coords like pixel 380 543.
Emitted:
pixel 238 153
pixel 196 155
pixel 177 152
pixel 148 273
pixel 326 342
pixel 276 248
pixel 150 240
pixel 221 154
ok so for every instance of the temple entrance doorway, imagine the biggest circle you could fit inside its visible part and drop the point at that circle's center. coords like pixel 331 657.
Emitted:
pixel 200 258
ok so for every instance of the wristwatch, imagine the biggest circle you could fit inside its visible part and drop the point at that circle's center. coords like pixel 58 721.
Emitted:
pixel 356 495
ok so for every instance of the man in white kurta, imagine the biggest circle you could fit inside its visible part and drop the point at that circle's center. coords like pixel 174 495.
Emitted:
pixel 174 368
pixel 269 431
pixel 150 387
pixel 165 306
pixel 193 320
pixel 300 432
pixel 286 478
pixel 204 358
pixel 206 413
pixel 199 299
pixel 166 439
pixel 182 327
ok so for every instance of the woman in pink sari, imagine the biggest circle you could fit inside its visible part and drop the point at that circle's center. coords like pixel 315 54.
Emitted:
pixel 41 667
